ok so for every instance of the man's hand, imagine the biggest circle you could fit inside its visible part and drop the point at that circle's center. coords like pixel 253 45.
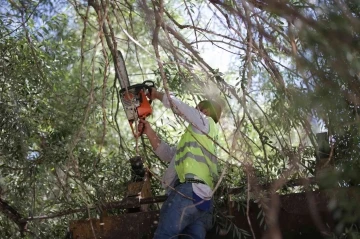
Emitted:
pixel 154 94
pixel 144 126
pixel 149 132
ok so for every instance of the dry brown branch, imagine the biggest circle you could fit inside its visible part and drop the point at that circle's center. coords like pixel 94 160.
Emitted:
pixel 124 204
pixel 313 209
pixel 248 206
pixel 13 215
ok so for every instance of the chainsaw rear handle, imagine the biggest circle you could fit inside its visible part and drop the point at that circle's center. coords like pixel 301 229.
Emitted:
pixel 142 128
pixel 149 85
pixel 139 132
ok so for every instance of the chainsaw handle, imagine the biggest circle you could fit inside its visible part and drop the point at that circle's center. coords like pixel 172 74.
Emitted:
pixel 140 128
pixel 148 84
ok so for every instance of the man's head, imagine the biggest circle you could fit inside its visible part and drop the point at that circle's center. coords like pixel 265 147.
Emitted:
pixel 210 108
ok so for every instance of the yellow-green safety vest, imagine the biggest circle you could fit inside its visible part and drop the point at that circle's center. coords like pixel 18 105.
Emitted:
pixel 195 154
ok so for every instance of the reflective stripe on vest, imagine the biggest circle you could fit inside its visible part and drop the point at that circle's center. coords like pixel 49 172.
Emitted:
pixel 199 158
pixel 195 155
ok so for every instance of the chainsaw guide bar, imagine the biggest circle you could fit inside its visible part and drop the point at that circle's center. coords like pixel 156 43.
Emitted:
pixel 134 98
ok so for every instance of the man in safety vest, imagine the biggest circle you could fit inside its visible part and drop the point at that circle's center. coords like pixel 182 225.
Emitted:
pixel 189 179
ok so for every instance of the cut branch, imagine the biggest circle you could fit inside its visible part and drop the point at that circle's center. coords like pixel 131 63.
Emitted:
pixel 13 215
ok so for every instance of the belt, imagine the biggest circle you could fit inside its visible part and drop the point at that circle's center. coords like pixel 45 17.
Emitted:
pixel 189 180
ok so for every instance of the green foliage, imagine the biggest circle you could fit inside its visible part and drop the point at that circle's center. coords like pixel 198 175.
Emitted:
pixel 64 140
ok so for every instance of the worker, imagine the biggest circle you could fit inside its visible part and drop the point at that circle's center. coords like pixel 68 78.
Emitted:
pixel 190 176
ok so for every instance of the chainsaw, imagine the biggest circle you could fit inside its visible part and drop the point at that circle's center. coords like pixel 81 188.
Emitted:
pixel 133 97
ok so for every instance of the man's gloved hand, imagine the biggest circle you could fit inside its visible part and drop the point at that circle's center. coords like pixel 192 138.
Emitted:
pixel 149 132
pixel 145 127
pixel 155 94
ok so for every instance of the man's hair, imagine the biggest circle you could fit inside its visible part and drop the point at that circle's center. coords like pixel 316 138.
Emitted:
pixel 213 107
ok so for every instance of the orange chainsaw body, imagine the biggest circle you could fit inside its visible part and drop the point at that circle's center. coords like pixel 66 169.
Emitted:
pixel 136 104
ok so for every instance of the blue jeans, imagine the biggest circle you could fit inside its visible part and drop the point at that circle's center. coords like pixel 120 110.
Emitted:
pixel 180 217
